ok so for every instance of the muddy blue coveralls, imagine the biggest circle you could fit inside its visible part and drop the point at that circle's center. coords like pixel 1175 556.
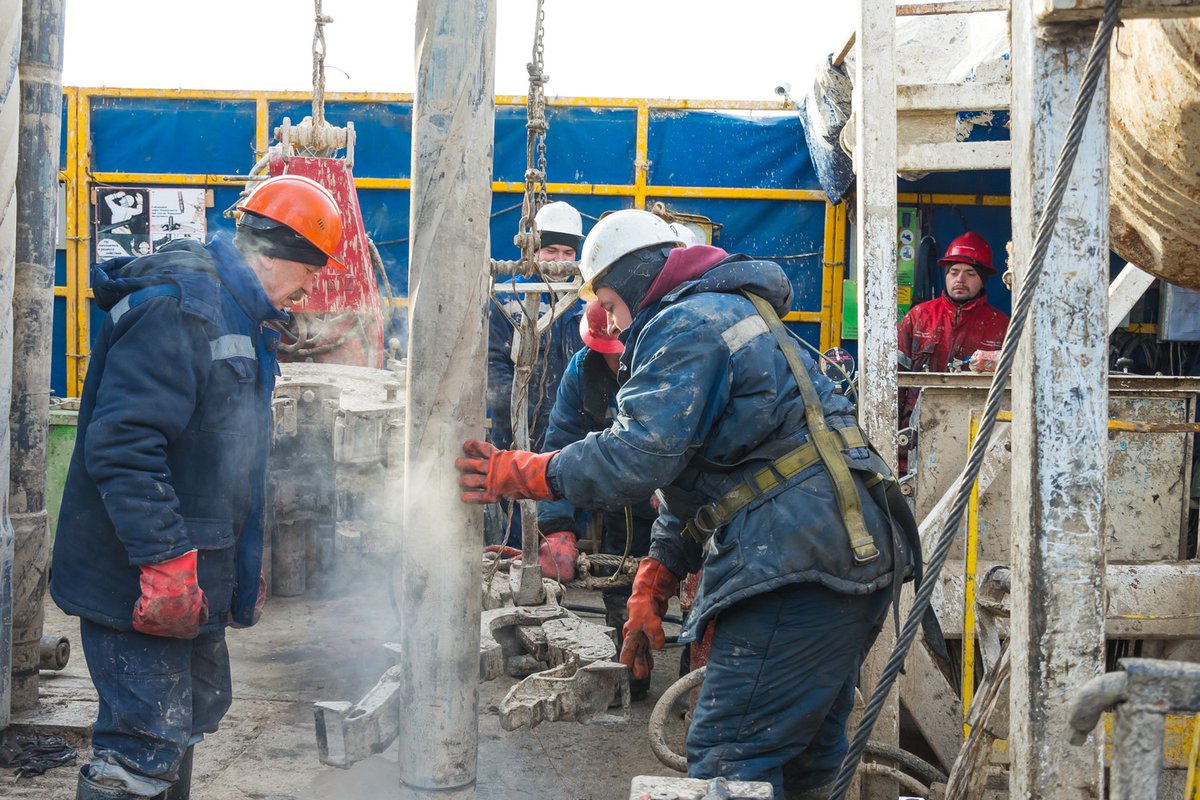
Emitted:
pixel 174 432
pixel 710 400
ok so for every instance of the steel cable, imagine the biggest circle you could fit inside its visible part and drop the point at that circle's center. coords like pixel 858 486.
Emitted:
pixel 1093 70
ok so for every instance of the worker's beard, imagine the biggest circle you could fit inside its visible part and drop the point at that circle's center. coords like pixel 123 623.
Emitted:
pixel 962 301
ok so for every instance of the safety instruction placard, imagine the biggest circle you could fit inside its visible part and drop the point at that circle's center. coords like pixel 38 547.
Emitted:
pixel 139 221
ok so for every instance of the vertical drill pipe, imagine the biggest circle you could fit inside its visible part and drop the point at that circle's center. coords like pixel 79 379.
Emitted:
pixel 528 590
pixel 33 310
pixel 1059 399
pixel 875 166
pixel 10 102
pixel 439 578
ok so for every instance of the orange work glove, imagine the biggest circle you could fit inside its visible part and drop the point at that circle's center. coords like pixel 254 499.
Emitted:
pixel 557 555
pixel 172 603
pixel 652 588
pixel 489 474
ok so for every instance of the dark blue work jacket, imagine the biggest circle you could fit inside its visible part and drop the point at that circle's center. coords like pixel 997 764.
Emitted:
pixel 710 399
pixel 174 432
pixel 558 344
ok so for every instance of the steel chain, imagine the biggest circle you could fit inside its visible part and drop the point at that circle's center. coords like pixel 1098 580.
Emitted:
pixel 318 70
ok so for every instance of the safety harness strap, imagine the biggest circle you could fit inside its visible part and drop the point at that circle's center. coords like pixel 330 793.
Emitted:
pixel 825 446
pixel 712 516
pixel 861 542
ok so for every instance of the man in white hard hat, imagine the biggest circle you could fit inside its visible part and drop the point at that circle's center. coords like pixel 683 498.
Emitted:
pixel 769 489
pixel 560 228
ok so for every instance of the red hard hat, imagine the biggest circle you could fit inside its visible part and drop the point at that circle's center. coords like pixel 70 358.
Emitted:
pixel 595 332
pixel 303 205
pixel 971 249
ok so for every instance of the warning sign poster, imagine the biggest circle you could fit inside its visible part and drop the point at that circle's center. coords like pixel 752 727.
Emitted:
pixel 138 221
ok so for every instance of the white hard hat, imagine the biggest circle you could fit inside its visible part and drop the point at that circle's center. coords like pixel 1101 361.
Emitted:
pixel 559 217
pixel 617 235
pixel 686 235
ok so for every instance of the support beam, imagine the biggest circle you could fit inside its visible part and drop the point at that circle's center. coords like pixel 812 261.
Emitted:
pixel 875 168
pixel 453 114
pixel 952 96
pixel 33 310
pixel 1124 292
pixel 1060 408
pixel 10 102
pixel 1053 11
pixel 953 157
pixel 953 7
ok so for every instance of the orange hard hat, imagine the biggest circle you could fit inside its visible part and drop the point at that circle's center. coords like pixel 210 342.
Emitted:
pixel 595 331
pixel 970 249
pixel 303 205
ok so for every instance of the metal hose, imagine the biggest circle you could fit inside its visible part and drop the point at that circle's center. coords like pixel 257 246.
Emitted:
pixel 913 773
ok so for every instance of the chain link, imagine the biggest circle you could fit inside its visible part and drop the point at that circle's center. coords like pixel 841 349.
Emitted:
pixel 527 238
pixel 318 71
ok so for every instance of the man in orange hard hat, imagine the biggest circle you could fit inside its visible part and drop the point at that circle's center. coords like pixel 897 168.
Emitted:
pixel 958 326
pixel 159 542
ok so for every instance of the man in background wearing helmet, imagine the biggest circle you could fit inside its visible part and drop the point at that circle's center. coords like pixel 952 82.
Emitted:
pixel 587 403
pixel 960 324
pixel 561 229
pixel 159 541
pixel 768 488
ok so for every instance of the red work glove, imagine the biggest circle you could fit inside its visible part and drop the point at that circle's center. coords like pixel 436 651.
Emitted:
pixel 490 474
pixel 652 588
pixel 172 603
pixel 259 602
pixel 557 555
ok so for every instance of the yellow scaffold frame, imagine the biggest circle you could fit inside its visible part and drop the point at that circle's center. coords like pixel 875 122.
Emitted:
pixel 79 179
pixel 1181 746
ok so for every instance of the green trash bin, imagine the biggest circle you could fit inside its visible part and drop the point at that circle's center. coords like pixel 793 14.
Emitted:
pixel 64 417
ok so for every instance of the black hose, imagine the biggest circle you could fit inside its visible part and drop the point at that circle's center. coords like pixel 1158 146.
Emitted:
pixel 597 610
pixel 1093 71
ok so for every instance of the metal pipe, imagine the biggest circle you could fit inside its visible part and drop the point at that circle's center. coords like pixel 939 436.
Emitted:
pixel 33 312
pixel 1060 411
pixel 545 269
pixel 439 578
pixel 526 579
pixel 10 49
pixel 54 653
pixel 875 166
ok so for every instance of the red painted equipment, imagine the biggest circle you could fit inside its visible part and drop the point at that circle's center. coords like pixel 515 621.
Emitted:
pixel 341 322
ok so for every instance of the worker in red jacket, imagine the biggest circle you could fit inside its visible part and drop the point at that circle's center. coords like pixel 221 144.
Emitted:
pixel 959 325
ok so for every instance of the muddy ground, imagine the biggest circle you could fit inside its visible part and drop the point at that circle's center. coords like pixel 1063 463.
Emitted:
pixel 326 645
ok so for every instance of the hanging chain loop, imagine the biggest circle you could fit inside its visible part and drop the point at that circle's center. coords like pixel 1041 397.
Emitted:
pixel 527 238
pixel 318 71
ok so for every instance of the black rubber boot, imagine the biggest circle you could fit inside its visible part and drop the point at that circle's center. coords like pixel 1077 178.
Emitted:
pixel 181 789
pixel 88 789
